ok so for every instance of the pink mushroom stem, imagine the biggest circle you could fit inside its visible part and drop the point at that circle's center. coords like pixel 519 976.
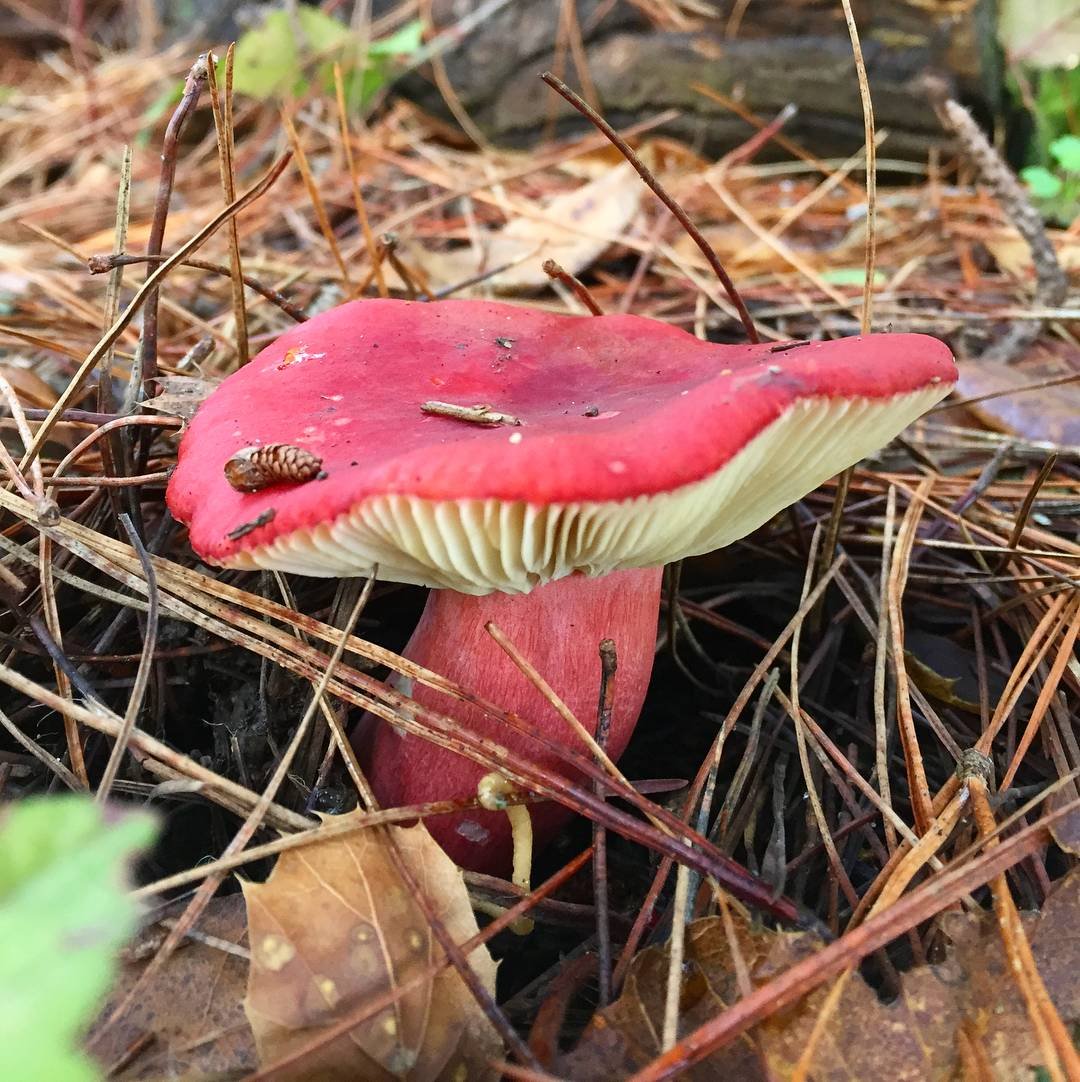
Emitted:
pixel 558 628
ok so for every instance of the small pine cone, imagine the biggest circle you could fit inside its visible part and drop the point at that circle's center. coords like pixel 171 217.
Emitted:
pixel 255 468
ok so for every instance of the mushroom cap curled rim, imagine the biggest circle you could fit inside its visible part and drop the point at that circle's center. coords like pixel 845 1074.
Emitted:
pixel 638 444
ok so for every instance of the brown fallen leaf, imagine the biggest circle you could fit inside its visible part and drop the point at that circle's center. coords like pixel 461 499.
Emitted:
pixel 1066 830
pixel 574 229
pixel 914 1037
pixel 30 388
pixel 333 927
pixel 189 1022
pixel 1013 254
pixel 181 395
pixel 943 669
pixel 1051 413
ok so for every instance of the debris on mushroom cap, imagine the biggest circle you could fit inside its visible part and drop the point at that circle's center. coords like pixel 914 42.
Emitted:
pixel 252 469
pixel 639 444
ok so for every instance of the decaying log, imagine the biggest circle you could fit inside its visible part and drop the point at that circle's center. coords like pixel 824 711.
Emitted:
pixel 796 51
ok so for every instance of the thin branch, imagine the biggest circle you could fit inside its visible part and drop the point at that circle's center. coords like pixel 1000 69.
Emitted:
pixel 696 235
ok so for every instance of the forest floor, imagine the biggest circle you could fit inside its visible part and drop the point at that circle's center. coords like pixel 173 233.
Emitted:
pixel 944 620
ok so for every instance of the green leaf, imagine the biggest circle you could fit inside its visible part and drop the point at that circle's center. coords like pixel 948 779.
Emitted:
pixel 64 911
pixel 322 33
pixel 401 42
pixel 1065 150
pixel 850 276
pixel 267 59
pixel 1043 183
pixel 278 57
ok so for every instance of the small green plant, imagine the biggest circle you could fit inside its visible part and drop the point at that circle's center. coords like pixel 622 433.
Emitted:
pixel 294 50
pixel 290 52
pixel 1057 188
pixel 64 912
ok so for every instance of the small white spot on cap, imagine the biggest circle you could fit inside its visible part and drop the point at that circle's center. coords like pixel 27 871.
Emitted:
pixel 617 466
pixel 725 371
pixel 935 379
pixel 516 437
pixel 310 430
pixel 339 421
pixel 331 397
pixel 775 369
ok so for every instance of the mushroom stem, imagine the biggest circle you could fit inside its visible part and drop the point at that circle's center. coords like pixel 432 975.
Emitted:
pixel 557 627
pixel 494 792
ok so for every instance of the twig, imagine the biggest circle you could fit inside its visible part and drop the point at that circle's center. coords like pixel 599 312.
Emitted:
pixel 98 264
pixel 867 319
pixel 412 278
pixel 1041 478
pixel 676 949
pixel 459 957
pixel 223 125
pixel 116 281
pixel 50 762
pixel 748 149
pixel 354 180
pixel 919 792
pixel 609 664
pixel 579 289
pixel 881 656
pixel 317 203
pixel 209 886
pixel 658 190
pixel 1051 283
pixel 1059 1052
pixel 142 674
pixel 475 415
pixel 146 370
pixel 806 975
pixel 1040 385
pixel 78 380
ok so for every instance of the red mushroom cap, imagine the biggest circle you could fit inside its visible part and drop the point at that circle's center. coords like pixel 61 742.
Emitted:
pixel 637 442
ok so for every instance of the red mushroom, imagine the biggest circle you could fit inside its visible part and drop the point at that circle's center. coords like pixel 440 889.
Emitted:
pixel 605 448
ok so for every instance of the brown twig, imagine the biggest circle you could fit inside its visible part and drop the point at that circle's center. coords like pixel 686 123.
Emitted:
pixel 78 380
pixel 223 125
pixel 208 887
pixel 658 190
pixel 412 277
pixel 142 675
pixel 801 978
pixel 1051 283
pixel 575 285
pixel 609 664
pixel 193 88
pixel 317 202
pixel 354 180
pixel 98 264
pixel 474 415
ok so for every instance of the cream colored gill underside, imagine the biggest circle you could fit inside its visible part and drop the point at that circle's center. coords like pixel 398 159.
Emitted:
pixel 480 546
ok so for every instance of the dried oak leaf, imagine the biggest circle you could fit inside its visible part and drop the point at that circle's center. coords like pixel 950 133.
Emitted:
pixel 181 395
pixel 189 1021
pixel 913 1037
pixel 574 229
pixel 334 927
pixel 1050 413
